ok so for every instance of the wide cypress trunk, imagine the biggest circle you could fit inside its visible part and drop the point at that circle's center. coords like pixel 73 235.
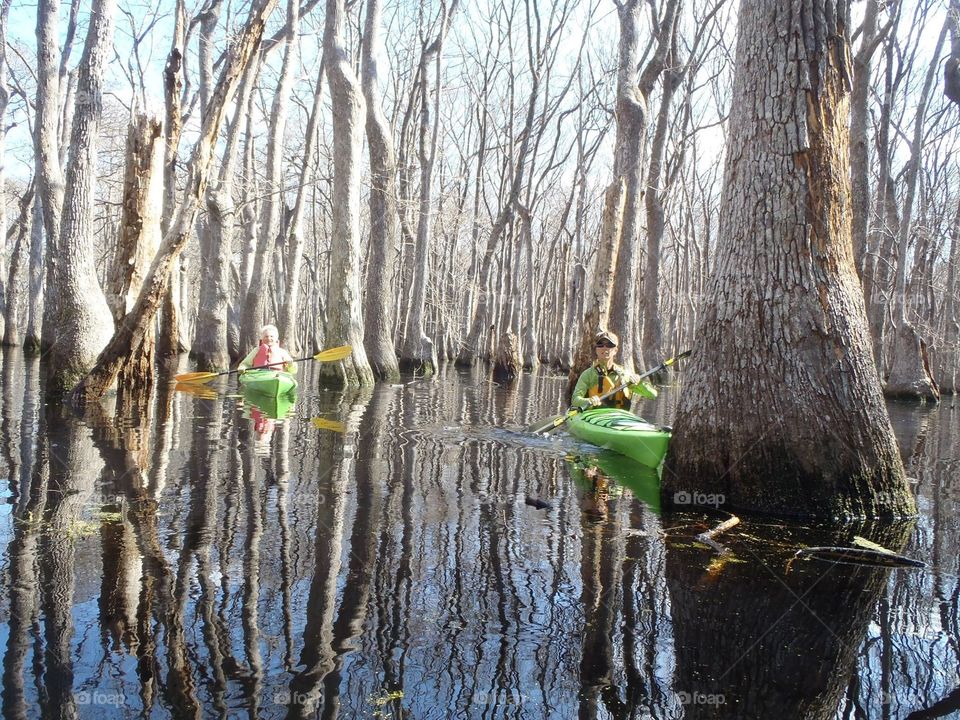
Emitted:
pixel 783 411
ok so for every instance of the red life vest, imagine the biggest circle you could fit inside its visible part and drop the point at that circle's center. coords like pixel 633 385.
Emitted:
pixel 266 356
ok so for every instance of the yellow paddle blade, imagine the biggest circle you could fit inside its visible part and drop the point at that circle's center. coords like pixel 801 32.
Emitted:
pixel 324 424
pixel 195 377
pixel 196 389
pixel 337 353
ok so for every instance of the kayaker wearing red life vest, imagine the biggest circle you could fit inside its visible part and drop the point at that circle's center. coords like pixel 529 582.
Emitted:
pixel 604 375
pixel 269 352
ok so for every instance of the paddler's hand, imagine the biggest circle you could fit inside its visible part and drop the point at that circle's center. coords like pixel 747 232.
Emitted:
pixel 595 400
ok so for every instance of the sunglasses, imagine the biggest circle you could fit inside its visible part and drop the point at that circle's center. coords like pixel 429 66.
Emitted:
pixel 606 345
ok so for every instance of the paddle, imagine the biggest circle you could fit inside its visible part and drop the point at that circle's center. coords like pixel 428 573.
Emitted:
pixel 555 422
pixel 337 353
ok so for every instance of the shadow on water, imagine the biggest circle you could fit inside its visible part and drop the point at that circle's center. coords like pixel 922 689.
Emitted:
pixel 415 555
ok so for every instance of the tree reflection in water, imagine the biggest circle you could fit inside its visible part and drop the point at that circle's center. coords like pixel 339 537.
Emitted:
pixel 155 561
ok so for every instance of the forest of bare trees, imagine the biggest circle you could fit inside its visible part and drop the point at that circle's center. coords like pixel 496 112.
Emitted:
pixel 433 181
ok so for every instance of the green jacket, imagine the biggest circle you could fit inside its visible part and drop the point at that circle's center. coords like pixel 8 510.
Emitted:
pixel 590 379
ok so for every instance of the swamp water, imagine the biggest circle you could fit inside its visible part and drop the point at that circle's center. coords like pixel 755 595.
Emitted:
pixel 383 554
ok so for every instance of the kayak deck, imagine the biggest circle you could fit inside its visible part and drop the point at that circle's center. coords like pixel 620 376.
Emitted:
pixel 622 432
pixel 268 382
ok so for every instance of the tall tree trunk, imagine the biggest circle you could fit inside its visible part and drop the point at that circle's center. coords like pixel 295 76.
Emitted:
pixel 633 93
pixel 949 356
pixel 291 296
pixel 210 342
pixel 380 308
pixel 654 200
pixel 859 135
pixel 139 235
pixel 169 341
pixel 5 287
pixel 49 171
pixel 31 340
pixel 254 307
pixel 909 367
pixel 14 281
pixel 83 320
pixel 951 69
pixel 417 351
pixel 785 320
pixel 127 343
pixel 345 321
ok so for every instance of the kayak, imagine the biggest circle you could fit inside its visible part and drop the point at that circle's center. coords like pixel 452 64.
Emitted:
pixel 622 432
pixel 274 407
pixel 641 480
pixel 268 382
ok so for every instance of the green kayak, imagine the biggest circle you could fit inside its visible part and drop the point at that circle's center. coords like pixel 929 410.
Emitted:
pixel 268 382
pixel 274 407
pixel 622 432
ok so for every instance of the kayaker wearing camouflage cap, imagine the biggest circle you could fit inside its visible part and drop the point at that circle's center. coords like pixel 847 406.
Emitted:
pixel 604 375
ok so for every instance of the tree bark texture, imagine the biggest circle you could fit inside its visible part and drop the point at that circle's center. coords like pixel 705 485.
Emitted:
pixel 417 350
pixel 294 244
pixel 951 69
pixel 859 135
pixel 18 234
pixel 254 308
pixel 169 341
pixel 785 322
pixel 83 320
pixel 380 307
pixel 949 355
pixel 139 236
pixel 344 320
pixel 210 347
pixel 46 134
pixel 630 158
pixel 127 342
pixel 31 340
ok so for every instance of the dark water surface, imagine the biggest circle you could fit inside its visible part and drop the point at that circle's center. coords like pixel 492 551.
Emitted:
pixel 208 561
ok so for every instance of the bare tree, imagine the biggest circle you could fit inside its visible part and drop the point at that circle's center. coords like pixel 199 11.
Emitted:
pixel 345 319
pixel 910 374
pixel 256 300
pixel 82 319
pixel 785 317
pixel 380 308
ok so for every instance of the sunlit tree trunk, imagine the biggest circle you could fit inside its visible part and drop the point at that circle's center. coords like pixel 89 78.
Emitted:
pixel 784 319
pixel 949 356
pixel 291 296
pixel 380 308
pixel 31 339
pixel 83 320
pixel 417 351
pixel 344 321
pixel 210 346
pixel 168 338
pixel 254 308
pixel 15 284
pixel 951 68
pixel 909 364
pixel 870 38
pixel 630 157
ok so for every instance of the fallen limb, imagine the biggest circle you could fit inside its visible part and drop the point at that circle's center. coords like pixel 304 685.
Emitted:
pixel 708 536
pixel 858 556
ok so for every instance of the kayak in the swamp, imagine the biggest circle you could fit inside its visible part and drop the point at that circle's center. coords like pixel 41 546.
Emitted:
pixel 274 407
pixel 622 432
pixel 268 382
